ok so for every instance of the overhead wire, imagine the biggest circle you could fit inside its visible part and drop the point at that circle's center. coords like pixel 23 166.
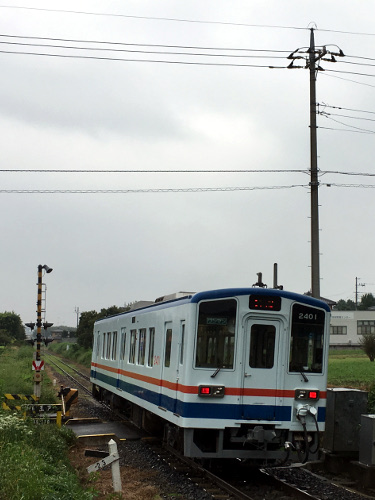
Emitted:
pixel 153 18
pixel 151 190
pixel 143 171
pixel 163 61
pixel 168 46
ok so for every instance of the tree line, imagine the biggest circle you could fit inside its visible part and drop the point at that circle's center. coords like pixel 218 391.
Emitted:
pixel 367 302
pixel 11 328
pixel 85 330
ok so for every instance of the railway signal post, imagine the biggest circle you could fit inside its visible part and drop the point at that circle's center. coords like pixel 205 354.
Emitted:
pixel 38 364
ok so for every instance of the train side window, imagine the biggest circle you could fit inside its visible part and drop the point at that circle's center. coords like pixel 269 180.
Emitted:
pixel 151 346
pixel 103 349
pixel 182 343
pixel 123 343
pixel 142 346
pixel 168 347
pixel 133 340
pixel 108 354
pixel 114 345
pixel 216 334
pixel 262 346
pixel 98 344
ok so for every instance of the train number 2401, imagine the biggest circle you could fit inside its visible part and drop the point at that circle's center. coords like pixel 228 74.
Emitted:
pixel 307 316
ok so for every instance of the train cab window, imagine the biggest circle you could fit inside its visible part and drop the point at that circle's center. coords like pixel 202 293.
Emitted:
pixel 151 345
pixel 114 345
pixel 216 334
pixel 133 340
pixel 262 346
pixel 142 346
pixel 123 343
pixel 306 343
pixel 168 347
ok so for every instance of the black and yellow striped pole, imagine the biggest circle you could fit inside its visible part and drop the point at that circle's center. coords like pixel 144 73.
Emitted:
pixel 38 363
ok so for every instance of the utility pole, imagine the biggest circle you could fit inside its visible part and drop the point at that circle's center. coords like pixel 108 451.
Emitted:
pixel 356 291
pixel 314 182
pixel 76 310
pixel 314 55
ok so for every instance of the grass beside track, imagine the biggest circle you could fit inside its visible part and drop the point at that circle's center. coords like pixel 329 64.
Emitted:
pixel 350 368
pixel 33 458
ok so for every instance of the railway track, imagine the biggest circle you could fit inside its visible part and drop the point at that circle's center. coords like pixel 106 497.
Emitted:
pixel 58 363
pixel 261 484
pixel 238 482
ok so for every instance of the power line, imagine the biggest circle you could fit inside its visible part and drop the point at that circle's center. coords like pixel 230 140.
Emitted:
pixel 345 109
pixel 185 171
pixel 131 171
pixel 139 51
pixel 324 113
pixel 134 191
pixel 176 190
pixel 347 79
pixel 153 18
pixel 365 186
pixel 127 44
pixel 118 59
pixel 366 131
pixel 350 72
pixel 343 130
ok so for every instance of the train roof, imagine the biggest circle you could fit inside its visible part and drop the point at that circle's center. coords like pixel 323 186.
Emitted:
pixel 194 298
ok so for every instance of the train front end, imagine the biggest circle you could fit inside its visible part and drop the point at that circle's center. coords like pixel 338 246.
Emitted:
pixel 259 365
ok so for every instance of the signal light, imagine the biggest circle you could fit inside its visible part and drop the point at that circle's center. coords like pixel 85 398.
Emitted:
pixel 204 390
pixel 304 394
pixel 214 391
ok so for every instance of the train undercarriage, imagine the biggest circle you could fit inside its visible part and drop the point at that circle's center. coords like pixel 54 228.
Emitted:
pixel 261 444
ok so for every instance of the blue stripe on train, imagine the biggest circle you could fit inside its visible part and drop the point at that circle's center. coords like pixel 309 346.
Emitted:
pixel 202 409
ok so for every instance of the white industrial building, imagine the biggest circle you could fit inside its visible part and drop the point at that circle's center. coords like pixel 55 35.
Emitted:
pixel 348 326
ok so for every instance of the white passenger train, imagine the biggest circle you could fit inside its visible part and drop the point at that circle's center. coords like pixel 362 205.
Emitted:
pixel 231 373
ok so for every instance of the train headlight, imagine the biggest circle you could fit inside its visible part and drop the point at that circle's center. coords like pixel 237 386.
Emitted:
pixel 306 394
pixel 213 391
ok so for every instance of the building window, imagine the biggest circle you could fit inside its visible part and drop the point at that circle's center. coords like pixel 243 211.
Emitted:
pixel 339 330
pixel 365 327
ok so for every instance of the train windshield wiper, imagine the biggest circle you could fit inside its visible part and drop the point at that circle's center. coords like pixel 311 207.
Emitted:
pixel 216 372
pixel 303 376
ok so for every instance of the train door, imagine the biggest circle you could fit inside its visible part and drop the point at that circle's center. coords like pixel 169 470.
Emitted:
pixel 260 378
pixel 168 396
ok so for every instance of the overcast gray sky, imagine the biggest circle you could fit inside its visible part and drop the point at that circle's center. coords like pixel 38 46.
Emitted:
pixel 118 110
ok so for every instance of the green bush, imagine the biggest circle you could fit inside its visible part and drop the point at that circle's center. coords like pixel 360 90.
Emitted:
pixel 34 462
pixel 371 399
pixel 73 351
